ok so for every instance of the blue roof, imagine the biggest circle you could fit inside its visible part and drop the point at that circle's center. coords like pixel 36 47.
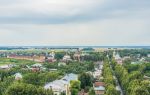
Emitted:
pixel 99 88
pixel 59 84
pixel 70 77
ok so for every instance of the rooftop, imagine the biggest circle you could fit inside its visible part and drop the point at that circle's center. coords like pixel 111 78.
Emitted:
pixel 97 84
pixel 101 88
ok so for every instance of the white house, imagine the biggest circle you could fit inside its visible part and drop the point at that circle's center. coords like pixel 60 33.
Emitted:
pixel 18 76
pixel 6 66
pixel 118 59
pixel 37 65
pixel 62 85
pixel 100 67
pixel 117 56
pixel 67 58
pixel 148 55
pixel 97 73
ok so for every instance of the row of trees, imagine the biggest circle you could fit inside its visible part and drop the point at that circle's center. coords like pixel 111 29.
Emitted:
pixel 94 56
pixel 26 89
pixel 132 82
pixel 134 52
pixel 39 78
pixel 72 67
pixel 109 80
pixel 91 56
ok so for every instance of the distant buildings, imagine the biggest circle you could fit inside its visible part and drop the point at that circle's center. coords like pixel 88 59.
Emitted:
pixel 37 67
pixel 117 58
pixel 76 56
pixel 36 58
pixel 126 57
pixel 66 58
pixel 50 57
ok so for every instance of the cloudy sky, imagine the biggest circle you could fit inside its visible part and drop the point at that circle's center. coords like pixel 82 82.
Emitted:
pixel 74 22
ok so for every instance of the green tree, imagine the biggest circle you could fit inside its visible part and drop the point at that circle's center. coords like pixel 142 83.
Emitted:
pixel 32 78
pixel 75 87
pixel 26 89
pixel 75 84
pixel 85 79
pixel 91 92
pixel 111 90
pixel 74 91
pixel 135 75
pixel 42 91
pixel 59 55
pixel 21 89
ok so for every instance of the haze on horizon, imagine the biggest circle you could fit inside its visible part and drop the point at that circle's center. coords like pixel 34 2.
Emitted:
pixel 74 22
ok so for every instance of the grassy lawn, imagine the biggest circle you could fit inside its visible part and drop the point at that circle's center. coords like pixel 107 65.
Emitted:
pixel 14 61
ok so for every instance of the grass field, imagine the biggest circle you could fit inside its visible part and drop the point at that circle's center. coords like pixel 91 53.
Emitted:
pixel 4 61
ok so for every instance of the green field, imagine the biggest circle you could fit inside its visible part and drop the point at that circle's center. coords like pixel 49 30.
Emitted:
pixel 4 61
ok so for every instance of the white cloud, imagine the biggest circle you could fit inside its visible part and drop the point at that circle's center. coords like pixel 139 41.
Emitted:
pixel 89 22
pixel 49 7
pixel 107 32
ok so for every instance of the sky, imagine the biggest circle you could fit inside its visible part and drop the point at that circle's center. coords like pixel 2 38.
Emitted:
pixel 74 22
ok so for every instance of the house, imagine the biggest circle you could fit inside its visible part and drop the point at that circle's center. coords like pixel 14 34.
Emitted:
pixel 118 59
pixel 96 84
pixel 117 56
pixel 148 55
pixel 126 57
pixel 97 74
pixel 52 69
pixel 37 67
pixel 146 77
pixel 6 67
pixel 142 59
pixel 99 88
pixel 50 57
pixel 100 67
pixel 77 56
pixel 58 86
pixel 135 62
pixel 66 58
pixel 18 76
pixel 62 85
pixel 118 88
